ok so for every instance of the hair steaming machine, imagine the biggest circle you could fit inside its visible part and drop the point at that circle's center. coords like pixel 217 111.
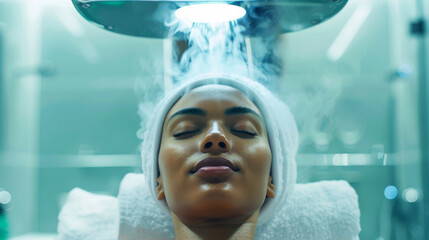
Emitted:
pixel 150 18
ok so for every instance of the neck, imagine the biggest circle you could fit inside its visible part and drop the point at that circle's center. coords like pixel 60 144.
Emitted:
pixel 239 230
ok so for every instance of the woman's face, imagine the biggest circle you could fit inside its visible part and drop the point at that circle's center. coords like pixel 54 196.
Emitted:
pixel 214 158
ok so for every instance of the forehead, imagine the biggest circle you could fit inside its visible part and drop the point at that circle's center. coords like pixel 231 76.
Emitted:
pixel 214 95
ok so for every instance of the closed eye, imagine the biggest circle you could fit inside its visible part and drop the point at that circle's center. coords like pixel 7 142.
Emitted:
pixel 186 134
pixel 243 133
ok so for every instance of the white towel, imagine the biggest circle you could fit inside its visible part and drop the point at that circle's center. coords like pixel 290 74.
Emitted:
pixel 88 216
pixel 326 210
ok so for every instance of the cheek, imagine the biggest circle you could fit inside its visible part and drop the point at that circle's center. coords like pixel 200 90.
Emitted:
pixel 258 158
pixel 258 165
pixel 173 154
pixel 173 166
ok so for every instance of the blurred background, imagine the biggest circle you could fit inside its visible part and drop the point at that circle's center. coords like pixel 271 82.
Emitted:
pixel 68 109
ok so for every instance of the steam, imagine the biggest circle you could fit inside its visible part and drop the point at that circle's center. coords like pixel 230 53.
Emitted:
pixel 220 47
pixel 212 47
pixel 313 103
pixel 225 47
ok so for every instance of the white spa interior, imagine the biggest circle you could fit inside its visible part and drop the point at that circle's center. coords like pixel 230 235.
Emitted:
pixel 68 109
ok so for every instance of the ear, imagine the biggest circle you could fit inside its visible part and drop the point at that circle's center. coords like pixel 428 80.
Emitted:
pixel 160 189
pixel 271 188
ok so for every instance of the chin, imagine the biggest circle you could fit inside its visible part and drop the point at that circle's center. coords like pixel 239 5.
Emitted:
pixel 215 211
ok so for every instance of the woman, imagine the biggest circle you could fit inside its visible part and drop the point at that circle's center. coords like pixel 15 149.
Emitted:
pixel 218 158
pixel 225 149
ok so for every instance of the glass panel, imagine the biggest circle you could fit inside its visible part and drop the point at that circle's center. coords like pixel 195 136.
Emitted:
pixel 2 98
pixel 352 84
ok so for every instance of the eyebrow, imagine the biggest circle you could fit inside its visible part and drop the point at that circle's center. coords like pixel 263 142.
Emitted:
pixel 241 110
pixel 228 112
pixel 188 111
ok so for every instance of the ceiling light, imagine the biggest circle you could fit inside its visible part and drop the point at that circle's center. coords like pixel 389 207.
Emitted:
pixel 210 13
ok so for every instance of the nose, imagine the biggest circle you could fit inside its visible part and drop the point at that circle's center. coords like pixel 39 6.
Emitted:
pixel 215 141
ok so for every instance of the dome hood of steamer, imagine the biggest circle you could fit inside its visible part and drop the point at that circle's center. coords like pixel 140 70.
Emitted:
pixel 281 128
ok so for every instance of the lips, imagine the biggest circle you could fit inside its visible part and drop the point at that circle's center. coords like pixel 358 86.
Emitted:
pixel 214 164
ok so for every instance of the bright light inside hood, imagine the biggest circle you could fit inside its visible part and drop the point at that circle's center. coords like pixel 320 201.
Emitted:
pixel 210 13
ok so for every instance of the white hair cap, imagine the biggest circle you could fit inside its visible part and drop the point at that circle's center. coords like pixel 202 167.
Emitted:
pixel 281 128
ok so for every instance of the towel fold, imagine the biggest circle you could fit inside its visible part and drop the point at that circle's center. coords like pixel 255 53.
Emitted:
pixel 88 216
pixel 326 210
